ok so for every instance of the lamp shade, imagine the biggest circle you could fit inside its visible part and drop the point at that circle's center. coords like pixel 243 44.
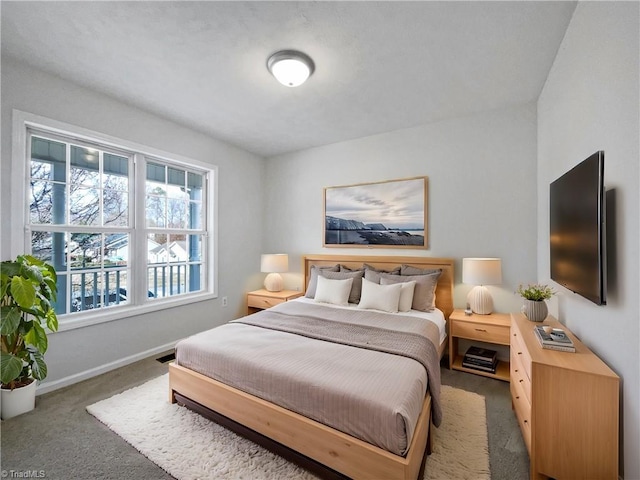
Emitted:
pixel 274 263
pixel 482 271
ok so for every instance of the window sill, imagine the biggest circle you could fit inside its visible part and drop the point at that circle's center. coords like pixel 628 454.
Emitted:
pixel 93 317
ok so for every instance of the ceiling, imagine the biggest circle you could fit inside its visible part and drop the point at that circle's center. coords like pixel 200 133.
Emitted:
pixel 380 66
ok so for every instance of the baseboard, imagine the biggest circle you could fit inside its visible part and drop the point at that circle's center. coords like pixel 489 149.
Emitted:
pixel 46 387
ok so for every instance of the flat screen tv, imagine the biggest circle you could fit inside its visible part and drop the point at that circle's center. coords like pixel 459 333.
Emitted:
pixel 577 229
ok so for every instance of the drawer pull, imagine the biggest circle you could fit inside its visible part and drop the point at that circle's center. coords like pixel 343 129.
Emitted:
pixel 521 380
pixel 518 398
pixel 480 330
pixel 516 370
pixel 519 353
pixel 526 421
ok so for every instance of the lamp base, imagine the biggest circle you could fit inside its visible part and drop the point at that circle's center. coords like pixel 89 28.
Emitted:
pixel 480 300
pixel 274 282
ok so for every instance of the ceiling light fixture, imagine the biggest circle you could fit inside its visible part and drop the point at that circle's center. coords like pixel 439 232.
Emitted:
pixel 290 67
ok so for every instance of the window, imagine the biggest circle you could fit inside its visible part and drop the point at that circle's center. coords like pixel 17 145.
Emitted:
pixel 125 229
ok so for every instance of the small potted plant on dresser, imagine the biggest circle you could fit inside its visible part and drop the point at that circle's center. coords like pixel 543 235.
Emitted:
pixel 28 290
pixel 535 307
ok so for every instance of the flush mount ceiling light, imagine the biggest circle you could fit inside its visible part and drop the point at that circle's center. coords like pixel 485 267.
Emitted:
pixel 290 67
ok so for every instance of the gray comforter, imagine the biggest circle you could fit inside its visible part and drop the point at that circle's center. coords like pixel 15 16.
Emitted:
pixel 359 371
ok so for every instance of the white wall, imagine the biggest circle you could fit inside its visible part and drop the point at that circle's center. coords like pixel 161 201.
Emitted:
pixel 590 102
pixel 76 353
pixel 482 193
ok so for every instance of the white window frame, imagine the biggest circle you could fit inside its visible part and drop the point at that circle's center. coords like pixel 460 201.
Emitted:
pixel 21 237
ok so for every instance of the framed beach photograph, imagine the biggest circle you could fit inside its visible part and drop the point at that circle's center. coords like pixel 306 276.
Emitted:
pixel 389 214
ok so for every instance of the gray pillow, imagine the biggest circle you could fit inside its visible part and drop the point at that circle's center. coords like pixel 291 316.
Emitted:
pixel 424 295
pixel 409 270
pixel 395 271
pixel 356 286
pixel 313 278
pixel 374 275
pixel 344 268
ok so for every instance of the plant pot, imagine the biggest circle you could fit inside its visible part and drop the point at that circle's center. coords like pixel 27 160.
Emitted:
pixel 18 401
pixel 535 310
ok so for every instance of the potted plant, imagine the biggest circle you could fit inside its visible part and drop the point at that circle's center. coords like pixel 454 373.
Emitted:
pixel 535 308
pixel 28 290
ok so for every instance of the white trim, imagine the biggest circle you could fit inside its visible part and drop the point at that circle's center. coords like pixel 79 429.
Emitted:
pixel 118 313
pixel 47 387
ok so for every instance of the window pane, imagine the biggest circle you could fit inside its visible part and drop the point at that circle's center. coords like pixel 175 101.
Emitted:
pixel 156 211
pixel 156 173
pixel 48 151
pixel 116 250
pixel 176 177
pixel 177 249
pixel 116 166
pixel 85 167
pixel 86 291
pixel 41 170
pixel 115 288
pixel 177 213
pixel 61 301
pixel 116 208
pixel 195 216
pixel 195 248
pixel 41 202
pixel 84 206
pixel 85 250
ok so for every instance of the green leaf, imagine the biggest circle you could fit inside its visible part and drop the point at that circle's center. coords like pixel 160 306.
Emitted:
pixel 33 273
pixel 11 366
pixel 23 292
pixel 37 337
pixel 10 268
pixel 10 320
pixel 52 320
pixel 38 367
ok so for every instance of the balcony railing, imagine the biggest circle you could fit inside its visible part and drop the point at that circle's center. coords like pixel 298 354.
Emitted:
pixel 162 281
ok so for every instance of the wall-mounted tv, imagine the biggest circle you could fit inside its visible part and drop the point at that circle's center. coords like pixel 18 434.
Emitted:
pixel 577 229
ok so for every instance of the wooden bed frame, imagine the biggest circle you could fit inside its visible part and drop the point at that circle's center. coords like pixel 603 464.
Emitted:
pixel 329 447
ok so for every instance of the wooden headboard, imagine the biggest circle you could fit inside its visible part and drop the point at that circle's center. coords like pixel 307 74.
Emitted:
pixel 444 290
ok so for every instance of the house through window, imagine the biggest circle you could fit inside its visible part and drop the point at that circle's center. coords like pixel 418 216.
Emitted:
pixel 121 228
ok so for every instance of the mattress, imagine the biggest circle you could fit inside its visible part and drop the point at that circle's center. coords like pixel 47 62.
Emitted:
pixel 372 395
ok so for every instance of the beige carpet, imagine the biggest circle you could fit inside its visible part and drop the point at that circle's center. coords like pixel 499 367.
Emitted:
pixel 191 447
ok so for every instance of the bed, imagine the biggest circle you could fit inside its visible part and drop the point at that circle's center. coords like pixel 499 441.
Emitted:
pixel 305 428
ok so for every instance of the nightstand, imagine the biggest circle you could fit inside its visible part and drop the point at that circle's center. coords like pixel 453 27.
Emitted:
pixel 492 328
pixel 262 299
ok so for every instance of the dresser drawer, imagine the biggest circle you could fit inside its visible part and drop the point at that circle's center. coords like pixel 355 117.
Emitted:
pixel 484 333
pixel 519 353
pixel 522 408
pixel 257 301
pixel 518 375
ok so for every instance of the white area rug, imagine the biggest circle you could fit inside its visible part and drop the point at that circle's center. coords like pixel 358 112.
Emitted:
pixel 191 447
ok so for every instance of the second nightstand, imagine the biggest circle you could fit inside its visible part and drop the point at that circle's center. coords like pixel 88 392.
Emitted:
pixel 492 328
pixel 262 299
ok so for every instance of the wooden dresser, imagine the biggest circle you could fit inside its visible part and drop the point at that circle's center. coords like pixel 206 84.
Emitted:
pixel 566 404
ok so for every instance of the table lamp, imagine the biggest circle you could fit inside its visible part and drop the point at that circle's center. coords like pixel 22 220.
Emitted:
pixel 481 272
pixel 274 264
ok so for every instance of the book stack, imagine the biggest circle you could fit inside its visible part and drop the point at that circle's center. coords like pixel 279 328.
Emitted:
pixel 481 359
pixel 556 339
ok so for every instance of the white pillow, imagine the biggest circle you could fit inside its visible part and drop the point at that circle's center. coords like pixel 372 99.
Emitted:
pixel 406 294
pixel 380 297
pixel 333 291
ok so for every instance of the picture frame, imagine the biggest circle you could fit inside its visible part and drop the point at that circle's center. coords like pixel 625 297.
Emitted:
pixel 385 214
